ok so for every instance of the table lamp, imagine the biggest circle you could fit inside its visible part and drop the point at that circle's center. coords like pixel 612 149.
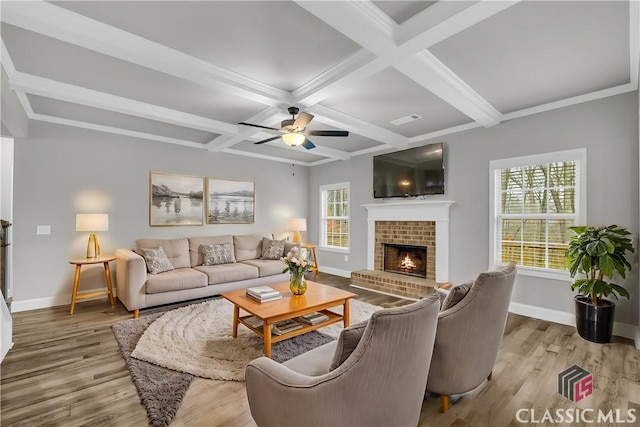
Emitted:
pixel 92 223
pixel 297 225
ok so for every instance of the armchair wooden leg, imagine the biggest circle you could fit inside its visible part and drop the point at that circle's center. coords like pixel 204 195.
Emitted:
pixel 136 313
pixel 490 376
pixel 444 399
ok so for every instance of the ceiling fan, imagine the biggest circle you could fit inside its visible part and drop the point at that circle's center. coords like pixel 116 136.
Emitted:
pixel 293 130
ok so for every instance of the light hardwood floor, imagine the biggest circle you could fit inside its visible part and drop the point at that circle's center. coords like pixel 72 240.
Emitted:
pixel 67 371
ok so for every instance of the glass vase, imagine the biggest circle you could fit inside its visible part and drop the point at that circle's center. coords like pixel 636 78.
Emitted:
pixel 297 283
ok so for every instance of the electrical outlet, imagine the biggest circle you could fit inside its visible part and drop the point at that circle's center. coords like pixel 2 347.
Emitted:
pixel 43 229
pixel 346 258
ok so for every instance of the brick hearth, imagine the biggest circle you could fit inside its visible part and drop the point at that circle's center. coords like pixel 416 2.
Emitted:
pixel 416 233
pixel 421 223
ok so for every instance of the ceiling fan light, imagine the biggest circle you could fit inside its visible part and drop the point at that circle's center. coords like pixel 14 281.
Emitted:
pixel 293 139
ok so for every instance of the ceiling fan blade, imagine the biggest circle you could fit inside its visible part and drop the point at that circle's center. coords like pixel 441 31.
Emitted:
pixel 267 140
pixel 258 126
pixel 308 144
pixel 327 133
pixel 302 121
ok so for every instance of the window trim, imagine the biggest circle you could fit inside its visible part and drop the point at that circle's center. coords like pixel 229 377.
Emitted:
pixel 579 155
pixel 322 228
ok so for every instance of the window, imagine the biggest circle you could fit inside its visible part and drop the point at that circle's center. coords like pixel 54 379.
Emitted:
pixel 534 201
pixel 334 216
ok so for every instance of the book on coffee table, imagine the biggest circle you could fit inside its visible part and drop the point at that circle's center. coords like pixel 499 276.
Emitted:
pixel 313 318
pixel 265 299
pixel 253 321
pixel 285 326
pixel 263 293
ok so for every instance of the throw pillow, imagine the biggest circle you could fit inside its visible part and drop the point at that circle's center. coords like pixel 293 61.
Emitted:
pixel 218 253
pixel 272 249
pixel 442 296
pixel 156 260
pixel 456 294
pixel 347 342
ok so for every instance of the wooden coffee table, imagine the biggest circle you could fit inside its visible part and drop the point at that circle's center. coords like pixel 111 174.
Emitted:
pixel 318 297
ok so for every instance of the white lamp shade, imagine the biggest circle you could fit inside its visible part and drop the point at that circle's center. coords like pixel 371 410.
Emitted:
pixel 92 222
pixel 293 139
pixel 297 224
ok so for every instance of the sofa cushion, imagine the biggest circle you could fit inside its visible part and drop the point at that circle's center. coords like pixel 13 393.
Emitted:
pixel 175 280
pixel 456 294
pixel 219 253
pixel 177 250
pixel 272 249
pixel 224 273
pixel 247 246
pixel 156 260
pixel 195 247
pixel 347 342
pixel 266 267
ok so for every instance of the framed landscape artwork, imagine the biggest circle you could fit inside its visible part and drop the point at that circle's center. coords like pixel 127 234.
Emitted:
pixel 230 202
pixel 175 199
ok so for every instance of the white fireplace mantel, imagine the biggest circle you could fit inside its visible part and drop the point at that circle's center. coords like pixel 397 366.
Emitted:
pixel 420 210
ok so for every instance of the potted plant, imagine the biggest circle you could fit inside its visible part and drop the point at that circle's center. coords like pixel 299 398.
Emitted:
pixel 597 254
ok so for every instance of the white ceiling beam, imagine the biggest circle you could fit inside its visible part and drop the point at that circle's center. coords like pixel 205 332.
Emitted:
pixel 62 24
pixel 361 22
pixel 337 119
pixel 427 70
pixel 91 98
pixel 587 97
pixel 114 130
pixel 318 150
pixel 59 23
pixel 358 66
pixel 438 133
pixel 445 19
pixel 269 115
pixel 10 69
pixel 267 157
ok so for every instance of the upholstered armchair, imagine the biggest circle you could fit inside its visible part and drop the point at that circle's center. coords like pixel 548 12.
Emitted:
pixel 469 333
pixel 380 383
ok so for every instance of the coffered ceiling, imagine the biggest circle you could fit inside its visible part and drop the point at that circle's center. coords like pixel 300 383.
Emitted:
pixel 182 72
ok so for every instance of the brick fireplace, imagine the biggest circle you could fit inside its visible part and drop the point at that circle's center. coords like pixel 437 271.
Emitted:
pixel 421 225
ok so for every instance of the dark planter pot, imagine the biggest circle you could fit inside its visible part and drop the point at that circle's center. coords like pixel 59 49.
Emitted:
pixel 594 323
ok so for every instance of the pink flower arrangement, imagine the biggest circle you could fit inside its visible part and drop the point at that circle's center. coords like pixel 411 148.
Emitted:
pixel 296 264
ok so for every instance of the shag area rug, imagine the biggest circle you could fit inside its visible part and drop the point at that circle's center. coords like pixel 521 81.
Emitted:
pixel 164 351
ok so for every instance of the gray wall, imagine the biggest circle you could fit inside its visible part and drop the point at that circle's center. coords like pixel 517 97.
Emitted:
pixel 607 128
pixel 61 171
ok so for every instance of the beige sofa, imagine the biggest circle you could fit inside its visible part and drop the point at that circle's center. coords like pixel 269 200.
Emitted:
pixel 190 279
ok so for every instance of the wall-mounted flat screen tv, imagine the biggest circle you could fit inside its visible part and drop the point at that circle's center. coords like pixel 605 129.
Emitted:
pixel 414 172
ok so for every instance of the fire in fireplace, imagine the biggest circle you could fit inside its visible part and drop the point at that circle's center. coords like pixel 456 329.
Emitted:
pixel 405 259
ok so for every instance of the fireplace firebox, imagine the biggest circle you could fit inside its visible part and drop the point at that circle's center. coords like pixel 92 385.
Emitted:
pixel 405 259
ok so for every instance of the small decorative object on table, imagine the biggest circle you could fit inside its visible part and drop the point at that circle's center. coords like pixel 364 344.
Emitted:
pixel 297 267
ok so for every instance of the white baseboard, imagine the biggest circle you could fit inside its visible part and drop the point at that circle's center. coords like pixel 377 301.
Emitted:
pixel 54 301
pixel 620 329
pixel 336 271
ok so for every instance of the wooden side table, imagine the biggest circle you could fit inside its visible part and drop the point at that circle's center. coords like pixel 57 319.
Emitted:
pixel 79 262
pixel 312 248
